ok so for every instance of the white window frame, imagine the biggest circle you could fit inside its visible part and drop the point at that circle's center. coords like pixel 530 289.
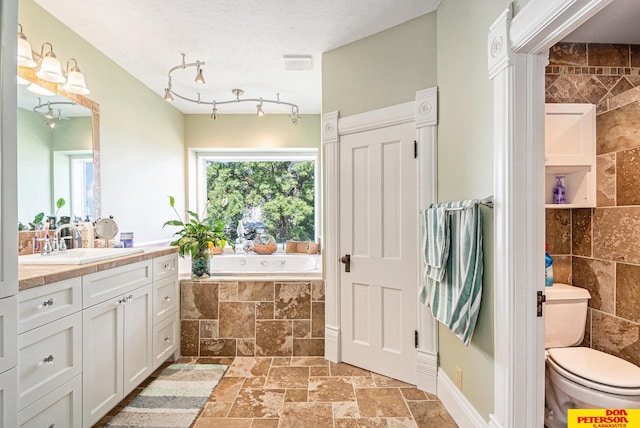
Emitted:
pixel 248 155
pixel 77 166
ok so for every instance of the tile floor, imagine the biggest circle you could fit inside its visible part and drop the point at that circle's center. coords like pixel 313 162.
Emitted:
pixel 309 392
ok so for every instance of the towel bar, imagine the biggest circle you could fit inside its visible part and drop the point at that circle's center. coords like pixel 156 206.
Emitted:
pixel 488 201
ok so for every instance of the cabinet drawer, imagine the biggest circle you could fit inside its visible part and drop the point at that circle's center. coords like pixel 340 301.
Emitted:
pixel 165 339
pixel 100 286
pixel 8 332
pixel 8 404
pixel 48 357
pixel 165 298
pixel 41 305
pixel 165 266
pixel 61 408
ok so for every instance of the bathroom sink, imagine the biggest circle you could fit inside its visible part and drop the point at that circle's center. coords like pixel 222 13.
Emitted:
pixel 78 256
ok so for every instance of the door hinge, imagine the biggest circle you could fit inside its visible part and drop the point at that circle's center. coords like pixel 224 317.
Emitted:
pixel 540 299
pixel 416 337
pixel 415 149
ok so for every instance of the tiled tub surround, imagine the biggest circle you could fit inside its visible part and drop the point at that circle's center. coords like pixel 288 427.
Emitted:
pixel 261 317
pixel 599 248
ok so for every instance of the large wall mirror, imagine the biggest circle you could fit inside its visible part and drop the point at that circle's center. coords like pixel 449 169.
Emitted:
pixel 58 151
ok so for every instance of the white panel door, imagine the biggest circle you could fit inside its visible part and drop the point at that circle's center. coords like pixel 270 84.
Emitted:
pixel 138 335
pixel 102 359
pixel 379 229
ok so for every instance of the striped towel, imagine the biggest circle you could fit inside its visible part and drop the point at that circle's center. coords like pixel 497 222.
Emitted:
pixel 436 242
pixel 455 300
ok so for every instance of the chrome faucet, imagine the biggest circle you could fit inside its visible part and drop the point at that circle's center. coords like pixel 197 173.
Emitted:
pixel 78 237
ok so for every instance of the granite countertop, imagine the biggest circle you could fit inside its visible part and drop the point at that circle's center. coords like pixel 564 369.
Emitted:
pixel 30 276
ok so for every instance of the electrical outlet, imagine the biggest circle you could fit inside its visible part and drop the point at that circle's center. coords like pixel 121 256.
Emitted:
pixel 459 377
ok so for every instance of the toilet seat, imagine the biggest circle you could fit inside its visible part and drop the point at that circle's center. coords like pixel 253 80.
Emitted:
pixel 596 370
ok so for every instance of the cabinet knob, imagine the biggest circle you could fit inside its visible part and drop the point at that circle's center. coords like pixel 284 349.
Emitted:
pixel 129 298
pixel 167 339
pixel 48 302
pixel 46 360
pixel 167 299
pixel 52 426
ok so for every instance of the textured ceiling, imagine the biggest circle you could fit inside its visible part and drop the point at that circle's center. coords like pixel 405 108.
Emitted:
pixel 241 41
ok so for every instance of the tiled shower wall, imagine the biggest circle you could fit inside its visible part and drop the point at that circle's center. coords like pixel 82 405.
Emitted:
pixel 599 248
pixel 252 318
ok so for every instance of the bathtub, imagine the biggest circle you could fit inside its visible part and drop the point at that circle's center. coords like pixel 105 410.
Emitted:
pixel 270 265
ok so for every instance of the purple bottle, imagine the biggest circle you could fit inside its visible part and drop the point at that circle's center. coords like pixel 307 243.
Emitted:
pixel 559 191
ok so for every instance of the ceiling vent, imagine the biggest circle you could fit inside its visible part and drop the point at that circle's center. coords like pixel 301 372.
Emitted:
pixel 297 62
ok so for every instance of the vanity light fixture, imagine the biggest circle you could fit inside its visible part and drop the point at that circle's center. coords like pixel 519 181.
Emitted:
pixel 25 54
pixel 39 90
pixel 50 68
pixel 75 79
pixel 169 94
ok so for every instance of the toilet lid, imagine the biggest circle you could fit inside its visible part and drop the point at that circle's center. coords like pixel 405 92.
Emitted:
pixel 597 366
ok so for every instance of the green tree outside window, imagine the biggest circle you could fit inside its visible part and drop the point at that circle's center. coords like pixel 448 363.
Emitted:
pixel 280 194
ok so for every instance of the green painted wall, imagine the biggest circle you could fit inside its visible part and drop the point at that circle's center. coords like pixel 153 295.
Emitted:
pixel 380 70
pixel 465 170
pixel 141 134
pixel 34 160
pixel 250 131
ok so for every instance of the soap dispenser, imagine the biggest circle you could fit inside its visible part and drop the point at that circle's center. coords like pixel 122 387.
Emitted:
pixel 559 191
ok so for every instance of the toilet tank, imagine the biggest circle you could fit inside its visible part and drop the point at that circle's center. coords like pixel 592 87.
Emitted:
pixel 565 315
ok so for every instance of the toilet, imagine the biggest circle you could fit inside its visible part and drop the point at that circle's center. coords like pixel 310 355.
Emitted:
pixel 577 377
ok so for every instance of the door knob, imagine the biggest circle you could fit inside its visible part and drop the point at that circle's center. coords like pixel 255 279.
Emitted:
pixel 346 259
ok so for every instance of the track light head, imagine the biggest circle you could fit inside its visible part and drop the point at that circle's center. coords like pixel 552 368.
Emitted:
pixel 167 95
pixel 259 111
pixel 199 76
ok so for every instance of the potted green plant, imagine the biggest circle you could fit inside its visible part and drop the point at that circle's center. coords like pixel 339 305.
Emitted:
pixel 197 237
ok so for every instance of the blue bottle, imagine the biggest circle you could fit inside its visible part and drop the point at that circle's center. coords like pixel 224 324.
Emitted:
pixel 548 268
pixel 559 191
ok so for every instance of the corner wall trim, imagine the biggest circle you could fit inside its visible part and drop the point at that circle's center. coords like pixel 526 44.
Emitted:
pixel 457 404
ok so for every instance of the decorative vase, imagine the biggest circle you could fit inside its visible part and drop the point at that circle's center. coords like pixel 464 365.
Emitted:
pixel 201 263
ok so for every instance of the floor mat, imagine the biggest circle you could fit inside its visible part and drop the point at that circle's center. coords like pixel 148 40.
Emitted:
pixel 174 399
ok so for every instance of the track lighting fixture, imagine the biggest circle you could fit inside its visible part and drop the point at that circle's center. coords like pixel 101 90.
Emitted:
pixel 169 94
pixel 50 118
pixel 50 68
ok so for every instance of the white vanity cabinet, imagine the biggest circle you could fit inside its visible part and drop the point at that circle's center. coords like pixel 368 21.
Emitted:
pixel 117 339
pixel 166 298
pixel 570 151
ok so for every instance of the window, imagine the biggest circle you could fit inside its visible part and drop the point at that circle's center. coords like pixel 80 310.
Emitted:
pixel 273 192
pixel 82 186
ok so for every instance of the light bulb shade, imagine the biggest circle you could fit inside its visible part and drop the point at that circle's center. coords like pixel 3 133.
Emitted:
pixel 37 89
pixel 25 55
pixel 75 83
pixel 51 70
pixel 200 76
pixel 167 95
pixel 260 112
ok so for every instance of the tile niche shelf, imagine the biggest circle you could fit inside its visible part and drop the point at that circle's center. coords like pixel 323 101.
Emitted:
pixel 570 152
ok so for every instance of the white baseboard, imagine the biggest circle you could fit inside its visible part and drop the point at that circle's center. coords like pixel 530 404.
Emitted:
pixel 427 371
pixel 465 415
pixel 332 343
pixel 493 423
